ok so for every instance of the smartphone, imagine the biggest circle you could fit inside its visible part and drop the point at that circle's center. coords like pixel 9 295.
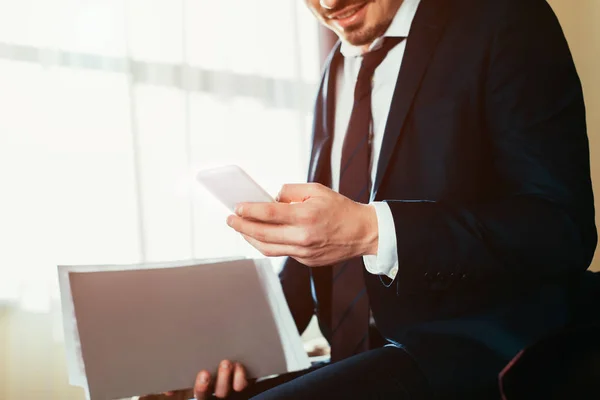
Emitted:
pixel 232 185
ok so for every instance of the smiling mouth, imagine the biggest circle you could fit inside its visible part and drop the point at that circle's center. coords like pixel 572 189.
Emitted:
pixel 347 13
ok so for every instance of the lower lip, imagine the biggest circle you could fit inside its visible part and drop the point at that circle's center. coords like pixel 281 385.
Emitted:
pixel 353 19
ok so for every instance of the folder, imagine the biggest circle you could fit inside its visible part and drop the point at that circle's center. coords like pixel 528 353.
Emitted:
pixel 150 328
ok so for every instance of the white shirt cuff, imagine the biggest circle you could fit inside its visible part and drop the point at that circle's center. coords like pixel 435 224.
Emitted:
pixel 385 262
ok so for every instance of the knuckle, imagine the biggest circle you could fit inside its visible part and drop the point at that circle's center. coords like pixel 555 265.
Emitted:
pixel 257 245
pixel 259 235
pixel 306 253
pixel 307 217
pixel 268 253
pixel 270 211
pixel 305 237
pixel 308 262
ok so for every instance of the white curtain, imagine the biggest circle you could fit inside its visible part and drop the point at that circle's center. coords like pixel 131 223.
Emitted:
pixel 107 109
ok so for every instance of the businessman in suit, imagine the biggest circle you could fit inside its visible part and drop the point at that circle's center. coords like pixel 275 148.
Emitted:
pixel 449 206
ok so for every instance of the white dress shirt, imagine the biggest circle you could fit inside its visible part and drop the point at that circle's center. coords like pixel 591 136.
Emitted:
pixel 385 262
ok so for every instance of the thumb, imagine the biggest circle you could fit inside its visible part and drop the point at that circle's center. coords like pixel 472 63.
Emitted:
pixel 298 192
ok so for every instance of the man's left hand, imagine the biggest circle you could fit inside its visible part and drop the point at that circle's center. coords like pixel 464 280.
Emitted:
pixel 310 223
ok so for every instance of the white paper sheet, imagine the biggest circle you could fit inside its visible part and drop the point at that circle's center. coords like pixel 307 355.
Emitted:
pixel 295 356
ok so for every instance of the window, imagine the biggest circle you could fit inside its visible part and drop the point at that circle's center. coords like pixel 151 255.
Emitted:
pixel 110 106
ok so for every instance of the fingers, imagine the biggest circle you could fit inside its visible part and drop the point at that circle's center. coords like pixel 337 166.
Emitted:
pixel 276 250
pixel 295 193
pixel 224 377
pixel 269 233
pixel 240 379
pixel 258 230
pixel 202 387
pixel 230 377
pixel 272 213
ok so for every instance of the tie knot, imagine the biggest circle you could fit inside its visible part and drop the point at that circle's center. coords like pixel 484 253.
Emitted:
pixel 370 62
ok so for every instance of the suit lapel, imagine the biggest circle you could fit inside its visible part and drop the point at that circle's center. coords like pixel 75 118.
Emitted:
pixel 424 35
pixel 324 116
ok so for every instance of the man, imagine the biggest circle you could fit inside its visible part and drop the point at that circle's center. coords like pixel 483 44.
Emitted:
pixel 452 206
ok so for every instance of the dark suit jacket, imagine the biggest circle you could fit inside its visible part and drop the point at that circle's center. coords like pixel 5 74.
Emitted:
pixel 485 166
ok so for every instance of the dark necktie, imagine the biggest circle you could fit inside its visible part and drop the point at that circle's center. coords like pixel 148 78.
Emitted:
pixel 350 304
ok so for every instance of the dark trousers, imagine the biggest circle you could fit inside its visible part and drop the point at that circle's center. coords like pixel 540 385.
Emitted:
pixel 458 369
pixel 384 373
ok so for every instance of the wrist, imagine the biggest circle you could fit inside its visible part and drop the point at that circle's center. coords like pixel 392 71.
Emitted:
pixel 370 231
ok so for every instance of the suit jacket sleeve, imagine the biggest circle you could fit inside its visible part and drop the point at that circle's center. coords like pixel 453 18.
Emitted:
pixel 541 222
pixel 296 282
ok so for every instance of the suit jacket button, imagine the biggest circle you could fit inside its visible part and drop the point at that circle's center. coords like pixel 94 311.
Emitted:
pixel 440 276
pixel 463 276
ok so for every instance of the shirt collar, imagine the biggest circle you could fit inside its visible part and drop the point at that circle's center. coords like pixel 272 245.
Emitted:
pixel 399 27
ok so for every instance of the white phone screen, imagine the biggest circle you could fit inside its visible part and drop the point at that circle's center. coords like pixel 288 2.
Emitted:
pixel 232 185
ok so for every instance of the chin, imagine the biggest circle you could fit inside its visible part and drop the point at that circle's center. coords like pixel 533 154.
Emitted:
pixel 360 37
pixel 363 35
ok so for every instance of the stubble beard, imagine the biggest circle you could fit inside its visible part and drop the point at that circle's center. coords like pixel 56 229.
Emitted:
pixel 366 35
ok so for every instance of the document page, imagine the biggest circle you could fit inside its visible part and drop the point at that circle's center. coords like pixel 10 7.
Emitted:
pixel 140 329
